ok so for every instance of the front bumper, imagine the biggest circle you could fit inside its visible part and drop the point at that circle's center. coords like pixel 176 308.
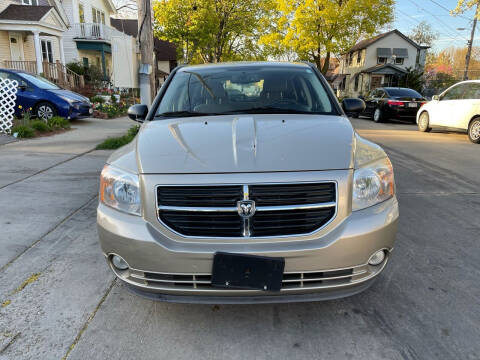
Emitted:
pixel 80 110
pixel 332 265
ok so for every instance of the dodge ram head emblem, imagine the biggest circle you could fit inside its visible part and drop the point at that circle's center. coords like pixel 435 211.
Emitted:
pixel 246 208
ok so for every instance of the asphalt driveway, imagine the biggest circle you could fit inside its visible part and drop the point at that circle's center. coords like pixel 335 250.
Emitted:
pixel 59 300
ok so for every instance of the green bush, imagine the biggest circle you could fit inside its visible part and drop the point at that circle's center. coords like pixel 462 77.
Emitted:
pixel 76 67
pixel 97 99
pixel 23 131
pixel 58 122
pixel 115 143
pixel 40 125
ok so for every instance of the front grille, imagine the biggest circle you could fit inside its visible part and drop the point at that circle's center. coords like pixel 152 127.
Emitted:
pixel 275 210
pixel 291 281
pixel 288 194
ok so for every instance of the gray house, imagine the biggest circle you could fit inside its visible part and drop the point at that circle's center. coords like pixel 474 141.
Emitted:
pixel 376 62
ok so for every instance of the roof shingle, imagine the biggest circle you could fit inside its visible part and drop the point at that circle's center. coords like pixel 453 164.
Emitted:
pixel 24 12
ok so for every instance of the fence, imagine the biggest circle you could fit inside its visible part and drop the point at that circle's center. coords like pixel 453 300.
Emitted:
pixel 8 91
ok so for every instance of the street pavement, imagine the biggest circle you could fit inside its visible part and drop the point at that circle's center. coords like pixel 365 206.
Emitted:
pixel 59 299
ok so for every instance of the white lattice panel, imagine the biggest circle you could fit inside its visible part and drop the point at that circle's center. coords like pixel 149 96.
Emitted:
pixel 8 95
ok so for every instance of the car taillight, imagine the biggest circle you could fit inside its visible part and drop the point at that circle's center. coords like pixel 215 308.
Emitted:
pixel 396 103
pixel 422 103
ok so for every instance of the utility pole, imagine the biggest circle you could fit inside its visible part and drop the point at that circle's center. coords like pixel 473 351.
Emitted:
pixel 146 71
pixel 470 43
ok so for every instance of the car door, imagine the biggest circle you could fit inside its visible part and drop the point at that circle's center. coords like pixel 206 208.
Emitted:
pixel 466 107
pixel 441 114
pixel 371 101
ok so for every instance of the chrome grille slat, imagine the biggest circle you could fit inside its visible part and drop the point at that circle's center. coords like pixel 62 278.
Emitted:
pixel 291 281
pixel 280 209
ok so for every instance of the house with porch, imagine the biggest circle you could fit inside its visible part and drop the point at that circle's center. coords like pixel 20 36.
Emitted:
pixel 377 62
pixel 42 36
pixel 32 39
pixel 89 38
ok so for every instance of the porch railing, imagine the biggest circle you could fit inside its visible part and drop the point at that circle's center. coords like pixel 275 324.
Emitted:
pixel 28 66
pixel 54 72
pixel 92 31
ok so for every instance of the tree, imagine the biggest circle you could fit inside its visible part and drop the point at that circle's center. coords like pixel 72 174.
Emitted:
pixel 412 79
pixel 211 30
pixel 423 34
pixel 465 5
pixel 316 29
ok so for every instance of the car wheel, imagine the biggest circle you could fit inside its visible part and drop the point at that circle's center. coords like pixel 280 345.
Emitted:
pixel 424 122
pixel 474 131
pixel 45 111
pixel 378 115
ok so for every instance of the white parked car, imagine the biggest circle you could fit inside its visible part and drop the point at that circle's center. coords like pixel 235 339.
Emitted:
pixel 457 108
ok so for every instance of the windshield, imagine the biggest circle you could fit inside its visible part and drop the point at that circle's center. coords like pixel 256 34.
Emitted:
pixel 403 92
pixel 39 81
pixel 245 90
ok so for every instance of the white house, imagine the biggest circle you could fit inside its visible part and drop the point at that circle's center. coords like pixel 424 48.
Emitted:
pixel 42 36
pixel 376 62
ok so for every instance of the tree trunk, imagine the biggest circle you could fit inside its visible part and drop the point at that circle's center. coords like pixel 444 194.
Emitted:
pixel 326 63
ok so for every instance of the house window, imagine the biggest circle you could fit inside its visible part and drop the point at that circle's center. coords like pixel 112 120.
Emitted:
pixel 350 59
pixel 359 57
pixel 81 13
pixel 381 60
pixel 98 16
pixel 356 82
pixel 30 2
pixel 399 61
pixel 47 53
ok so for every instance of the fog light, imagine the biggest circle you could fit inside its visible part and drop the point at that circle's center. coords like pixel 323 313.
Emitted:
pixel 119 263
pixel 377 258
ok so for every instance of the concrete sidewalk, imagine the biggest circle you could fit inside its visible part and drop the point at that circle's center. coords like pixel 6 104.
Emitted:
pixel 24 158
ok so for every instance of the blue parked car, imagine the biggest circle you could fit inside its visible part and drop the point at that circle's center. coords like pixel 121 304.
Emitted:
pixel 45 98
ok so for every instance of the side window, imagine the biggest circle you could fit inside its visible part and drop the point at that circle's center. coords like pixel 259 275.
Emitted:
pixel 6 75
pixel 472 91
pixel 454 93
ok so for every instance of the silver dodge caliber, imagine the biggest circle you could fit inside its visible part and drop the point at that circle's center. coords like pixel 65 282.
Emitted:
pixel 247 184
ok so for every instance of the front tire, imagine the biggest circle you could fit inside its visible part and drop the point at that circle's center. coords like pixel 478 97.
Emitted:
pixel 424 122
pixel 45 111
pixel 474 131
pixel 378 116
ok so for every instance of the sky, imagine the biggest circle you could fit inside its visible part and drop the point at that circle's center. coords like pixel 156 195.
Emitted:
pixel 408 13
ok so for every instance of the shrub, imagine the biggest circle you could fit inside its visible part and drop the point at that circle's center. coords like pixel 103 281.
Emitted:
pixel 76 67
pixel 40 125
pixel 115 143
pixel 23 131
pixel 58 122
pixel 97 99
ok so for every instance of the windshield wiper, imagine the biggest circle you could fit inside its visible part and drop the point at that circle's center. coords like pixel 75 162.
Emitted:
pixel 181 114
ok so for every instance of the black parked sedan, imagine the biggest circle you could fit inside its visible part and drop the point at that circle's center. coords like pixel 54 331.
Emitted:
pixel 389 102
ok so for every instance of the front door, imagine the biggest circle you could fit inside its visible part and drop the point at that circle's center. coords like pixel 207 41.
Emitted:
pixel 376 82
pixel 16 47
pixel 446 109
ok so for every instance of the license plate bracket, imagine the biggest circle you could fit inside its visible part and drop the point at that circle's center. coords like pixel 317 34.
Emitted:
pixel 239 271
pixel 412 105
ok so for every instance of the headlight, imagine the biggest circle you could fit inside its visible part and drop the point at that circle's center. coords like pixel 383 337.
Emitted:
pixel 70 101
pixel 119 189
pixel 372 184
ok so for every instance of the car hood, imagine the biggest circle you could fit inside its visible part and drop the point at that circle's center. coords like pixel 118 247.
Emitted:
pixel 245 143
pixel 70 95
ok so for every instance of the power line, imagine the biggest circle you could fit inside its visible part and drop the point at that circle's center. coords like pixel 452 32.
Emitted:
pixel 439 20
pixel 449 35
pixel 446 9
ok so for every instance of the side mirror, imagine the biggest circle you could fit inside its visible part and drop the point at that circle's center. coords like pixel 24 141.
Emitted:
pixel 137 112
pixel 351 105
pixel 22 87
pixel 436 97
